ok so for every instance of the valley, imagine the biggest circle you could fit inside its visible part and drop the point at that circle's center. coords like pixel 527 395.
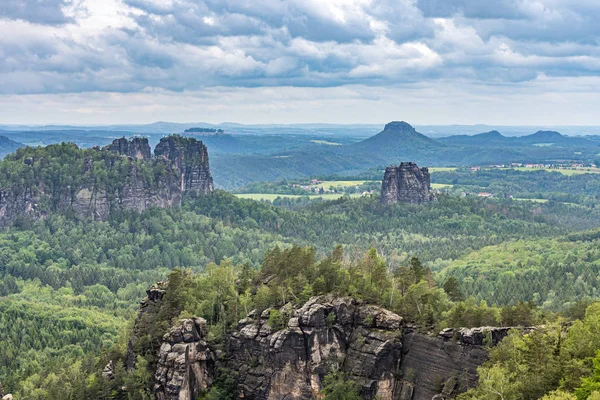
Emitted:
pixel 523 253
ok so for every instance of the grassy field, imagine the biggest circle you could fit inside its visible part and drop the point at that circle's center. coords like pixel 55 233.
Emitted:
pixel 441 169
pixel 441 186
pixel 532 200
pixel 328 184
pixel 272 196
pixel 564 171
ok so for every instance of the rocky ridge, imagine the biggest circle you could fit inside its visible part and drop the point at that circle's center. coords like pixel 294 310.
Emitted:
pixel 122 175
pixel 388 357
pixel 406 183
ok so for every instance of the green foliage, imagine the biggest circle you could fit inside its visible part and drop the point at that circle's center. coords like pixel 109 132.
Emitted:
pixel 336 386
pixel 559 395
pixel 552 273
pixel 224 387
pixel 276 320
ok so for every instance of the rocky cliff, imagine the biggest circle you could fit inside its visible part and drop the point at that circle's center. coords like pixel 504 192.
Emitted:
pixel 406 183
pixel 137 148
pixel 191 158
pixel 388 357
pixel 92 182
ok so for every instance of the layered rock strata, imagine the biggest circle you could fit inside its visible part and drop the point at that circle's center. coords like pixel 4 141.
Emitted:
pixel 386 356
pixel 406 183
pixel 191 158
pixel 137 148
pixel 186 365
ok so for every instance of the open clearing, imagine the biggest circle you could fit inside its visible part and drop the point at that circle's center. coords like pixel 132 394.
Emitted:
pixel 328 184
pixel 273 196
pixel 442 169
pixel 564 171
pixel 532 200
pixel 326 142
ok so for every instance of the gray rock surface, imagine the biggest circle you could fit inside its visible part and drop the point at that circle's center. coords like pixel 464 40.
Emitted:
pixel 388 357
pixel 327 332
pixel 186 365
pixel 137 148
pixel 191 158
pixel 406 183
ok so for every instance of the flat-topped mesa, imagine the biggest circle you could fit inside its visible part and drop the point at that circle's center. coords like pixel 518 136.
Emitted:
pixel 191 158
pixel 137 148
pixel 406 183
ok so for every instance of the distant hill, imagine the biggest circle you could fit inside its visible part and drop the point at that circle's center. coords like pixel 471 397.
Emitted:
pixel 491 137
pixel 495 138
pixel 556 138
pixel 396 139
pixel 8 146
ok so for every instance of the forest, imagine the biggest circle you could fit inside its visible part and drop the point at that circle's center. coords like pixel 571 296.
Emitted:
pixel 473 261
pixel 70 286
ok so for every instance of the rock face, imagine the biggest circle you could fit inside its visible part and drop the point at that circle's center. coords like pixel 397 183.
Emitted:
pixel 388 357
pixel 122 175
pixel 363 341
pixel 186 365
pixel 191 158
pixel 406 183
pixel 137 148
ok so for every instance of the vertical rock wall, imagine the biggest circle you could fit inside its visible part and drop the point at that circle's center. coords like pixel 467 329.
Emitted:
pixel 406 183
pixel 137 148
pixel 388 358
pixel 191 158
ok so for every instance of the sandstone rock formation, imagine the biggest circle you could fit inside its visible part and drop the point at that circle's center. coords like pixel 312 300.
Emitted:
pixel 191 158
pixel 406 183
pixel 137 148
pixel 122 175
pixel 186 365
pixel 388 357
pixel 327 332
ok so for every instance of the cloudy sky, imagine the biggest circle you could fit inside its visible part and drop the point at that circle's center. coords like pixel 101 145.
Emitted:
pixel 509 62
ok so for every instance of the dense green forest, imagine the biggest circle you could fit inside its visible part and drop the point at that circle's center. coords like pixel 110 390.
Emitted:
pixel 582 189
pixel 98 271
pixel 70 286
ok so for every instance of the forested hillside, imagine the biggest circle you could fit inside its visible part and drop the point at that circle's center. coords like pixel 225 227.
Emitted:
pixel 100 270
pixel 70 284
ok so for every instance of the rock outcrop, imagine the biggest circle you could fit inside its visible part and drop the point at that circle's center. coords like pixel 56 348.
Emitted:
pixel 389 358
pixel 122 176
pixel 363 341
pixel 137 148
pixel 191 158
pixel 406 183
pixel 186 365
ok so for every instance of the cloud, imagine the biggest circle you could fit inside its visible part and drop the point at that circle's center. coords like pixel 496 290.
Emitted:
pixel 39 11
pixel 179 46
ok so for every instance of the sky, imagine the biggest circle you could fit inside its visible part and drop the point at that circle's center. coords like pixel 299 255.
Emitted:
pixel 504 62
